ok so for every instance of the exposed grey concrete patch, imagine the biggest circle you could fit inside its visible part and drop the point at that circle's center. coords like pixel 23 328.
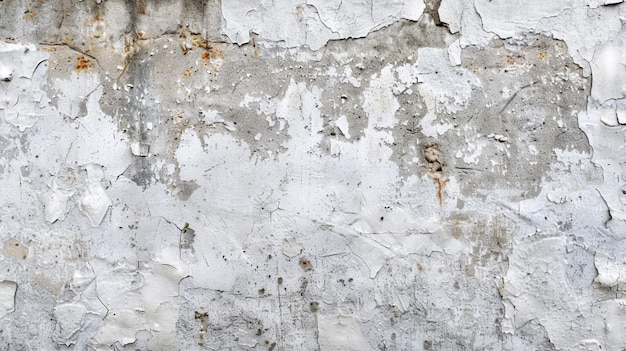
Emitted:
pixel 215 110
pixel 515 124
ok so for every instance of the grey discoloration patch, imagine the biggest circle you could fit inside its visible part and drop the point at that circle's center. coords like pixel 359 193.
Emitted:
pixel 232 80
pixel 534 335
pixel 184 189
pixel 432 9
pixel 506 117
pixel 187 238
pixel 314 306
pixel 580 267
pixel 539 67
pixel 523 120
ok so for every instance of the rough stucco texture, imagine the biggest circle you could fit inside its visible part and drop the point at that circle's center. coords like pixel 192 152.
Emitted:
pixel 303 175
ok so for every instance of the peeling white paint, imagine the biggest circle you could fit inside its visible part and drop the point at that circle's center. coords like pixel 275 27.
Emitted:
pixel 56 202
pixel 415 187
pixel 609 73
pixel 291 248
pixel 23 68
pixel 94 201
pixel 311 23
pixel 140 298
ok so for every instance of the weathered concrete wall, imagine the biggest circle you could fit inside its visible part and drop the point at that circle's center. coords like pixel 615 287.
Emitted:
pixel 301 175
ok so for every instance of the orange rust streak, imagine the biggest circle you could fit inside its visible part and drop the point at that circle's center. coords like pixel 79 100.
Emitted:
pixel 82 63
pixel 440 185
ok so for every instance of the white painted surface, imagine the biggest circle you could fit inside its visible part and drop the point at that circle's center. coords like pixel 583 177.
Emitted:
pixel 340 175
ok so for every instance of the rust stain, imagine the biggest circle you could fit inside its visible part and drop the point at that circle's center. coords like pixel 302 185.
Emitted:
pixel 141 7
pixel 434 163
pixel 29 14
pixel 255 51
pixel 441 183
pixel 193 41
pixel 184 49
pixel 542 55
pixel 210 52
pixel 419 267
pixel 200 42
pixel 204 320
pixel 187 73
pixel 83 63
pixel 514 59
pixel 305 264
pixel 299 14
pixel 93 20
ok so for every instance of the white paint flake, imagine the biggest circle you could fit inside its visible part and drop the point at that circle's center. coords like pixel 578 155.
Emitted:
pixel 609 73
pixel 94 201
pixel 140 298
pixel 56 202
pixel 291 248
pixel 7 297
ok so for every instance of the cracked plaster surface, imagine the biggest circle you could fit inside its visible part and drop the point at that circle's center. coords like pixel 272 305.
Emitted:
pixel 343 175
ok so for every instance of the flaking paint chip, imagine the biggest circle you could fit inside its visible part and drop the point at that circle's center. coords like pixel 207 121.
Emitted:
pixel 140 149
pixel 7 297
pixel 291 248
